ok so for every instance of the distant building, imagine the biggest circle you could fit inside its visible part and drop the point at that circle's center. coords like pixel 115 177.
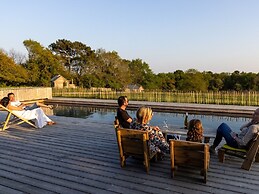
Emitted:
pixel 58 81
pixel 134 88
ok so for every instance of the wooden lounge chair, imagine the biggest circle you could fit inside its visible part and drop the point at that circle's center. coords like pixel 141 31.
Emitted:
pixel 191 154
pixel 133 143
pixel 250 155
pixel 16 119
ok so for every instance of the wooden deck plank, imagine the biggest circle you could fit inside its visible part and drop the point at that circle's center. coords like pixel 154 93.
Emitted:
pixel 7 190
pixel 67 158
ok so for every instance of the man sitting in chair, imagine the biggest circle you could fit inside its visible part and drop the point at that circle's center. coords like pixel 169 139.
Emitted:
pixel 240 140
pixel 122 115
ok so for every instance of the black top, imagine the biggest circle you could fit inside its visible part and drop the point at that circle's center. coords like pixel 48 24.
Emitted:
pixel 123 116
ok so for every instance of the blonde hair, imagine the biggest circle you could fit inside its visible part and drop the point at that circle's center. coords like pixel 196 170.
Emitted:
pixel 144 114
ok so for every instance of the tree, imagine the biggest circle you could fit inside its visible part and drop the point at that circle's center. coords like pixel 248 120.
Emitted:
pixel 78 58
pixel 112 69
pixel 142 74
pixel 193 81
pixel 11 74
pixel 18 58
pixel 166 81
pixel 42 64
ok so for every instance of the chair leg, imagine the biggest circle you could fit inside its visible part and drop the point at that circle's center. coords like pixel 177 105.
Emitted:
pixel 6 121
pixel 172 172
pixel 221 155
pixel 123 161
pixel 146 164
pixel 250 158
pixel 257 157
pixel 205 176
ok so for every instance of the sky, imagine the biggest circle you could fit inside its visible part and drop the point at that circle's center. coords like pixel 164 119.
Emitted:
pixel 169 35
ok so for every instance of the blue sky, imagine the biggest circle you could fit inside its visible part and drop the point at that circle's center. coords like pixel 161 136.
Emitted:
pixel 207 35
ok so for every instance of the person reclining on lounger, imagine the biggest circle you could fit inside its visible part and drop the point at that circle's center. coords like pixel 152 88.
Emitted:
pixel 17 103
pixel 240 140
pixel 37 113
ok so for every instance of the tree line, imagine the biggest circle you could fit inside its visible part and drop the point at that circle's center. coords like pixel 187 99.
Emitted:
pixel 100 68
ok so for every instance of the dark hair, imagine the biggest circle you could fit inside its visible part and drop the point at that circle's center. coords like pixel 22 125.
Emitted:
pixel 5 101
pixel 121 100
pixel 9 94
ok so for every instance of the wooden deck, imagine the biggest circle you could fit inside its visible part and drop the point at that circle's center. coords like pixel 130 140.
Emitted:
pixel 76 156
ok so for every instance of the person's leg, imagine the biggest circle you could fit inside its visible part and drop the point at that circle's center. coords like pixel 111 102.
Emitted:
pixel 34 106
pixel 224 131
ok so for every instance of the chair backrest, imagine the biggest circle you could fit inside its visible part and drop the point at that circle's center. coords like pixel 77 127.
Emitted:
pixel 192 154
pixel 252 141
pixel 187 153
pixel 116 123
pixel 132 142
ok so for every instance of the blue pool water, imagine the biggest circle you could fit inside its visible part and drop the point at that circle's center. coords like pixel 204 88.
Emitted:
pixel 173 120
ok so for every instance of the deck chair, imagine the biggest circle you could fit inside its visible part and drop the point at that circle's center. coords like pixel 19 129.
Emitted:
pixel 15 120
pixel 249 155
pixel 133 143
pixel 190 154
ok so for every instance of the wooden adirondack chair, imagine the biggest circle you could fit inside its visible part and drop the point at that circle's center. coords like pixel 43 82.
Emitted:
pixel 251 155
pixel 192 154
pixel 133 143
pixel 18 120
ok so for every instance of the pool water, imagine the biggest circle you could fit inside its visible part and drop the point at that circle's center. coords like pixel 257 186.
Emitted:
pixel 163 120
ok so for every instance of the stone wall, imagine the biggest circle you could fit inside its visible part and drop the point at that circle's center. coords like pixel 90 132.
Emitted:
pixel 32 93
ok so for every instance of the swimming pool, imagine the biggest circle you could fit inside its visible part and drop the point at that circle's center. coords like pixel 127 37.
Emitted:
pixel 172 120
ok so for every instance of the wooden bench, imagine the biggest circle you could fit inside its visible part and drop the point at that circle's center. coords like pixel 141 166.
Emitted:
pixel 249 155
pixel 192 154
pixel 133 143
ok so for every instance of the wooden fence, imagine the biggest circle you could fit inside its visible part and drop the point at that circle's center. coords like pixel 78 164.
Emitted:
pixel 224 97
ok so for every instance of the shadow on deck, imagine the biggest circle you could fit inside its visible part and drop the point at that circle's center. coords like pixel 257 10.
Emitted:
pixel 76 156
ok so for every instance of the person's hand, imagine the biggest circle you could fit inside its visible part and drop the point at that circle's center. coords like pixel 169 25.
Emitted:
pixel 156 128
pixel 233 134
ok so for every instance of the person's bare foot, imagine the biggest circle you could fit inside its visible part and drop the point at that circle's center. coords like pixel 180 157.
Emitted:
pixel 51 123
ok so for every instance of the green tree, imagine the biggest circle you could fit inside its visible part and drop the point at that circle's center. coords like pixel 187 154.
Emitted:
pixel 142 74
pixel 11 73
pixel 42 64
pixel 78 58
pixel 112 69
pixel 193 81
pixel 166 81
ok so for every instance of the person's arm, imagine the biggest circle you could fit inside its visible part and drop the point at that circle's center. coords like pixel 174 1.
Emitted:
pixel 126 117
pixel 252 130
pixel 245 125
pixel 129 120
pixel 10 107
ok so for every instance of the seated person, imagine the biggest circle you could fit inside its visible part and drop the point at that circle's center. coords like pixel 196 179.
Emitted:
pixel 195 131
pixel 37 113
pixel 122 115
pixel 17 103
pixel 240 140
pixel 158 142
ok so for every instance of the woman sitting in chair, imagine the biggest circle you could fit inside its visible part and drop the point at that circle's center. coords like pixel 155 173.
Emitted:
pixel 158 142
pixel 240 140
pixel 195 131
pixel 37 113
